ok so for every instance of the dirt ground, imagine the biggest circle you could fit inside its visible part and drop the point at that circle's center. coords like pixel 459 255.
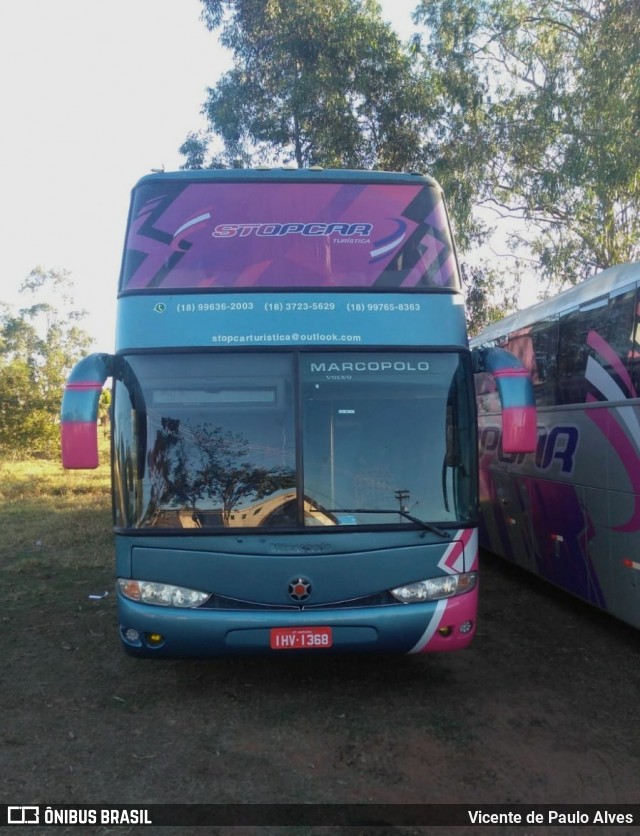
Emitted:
pixel 543 708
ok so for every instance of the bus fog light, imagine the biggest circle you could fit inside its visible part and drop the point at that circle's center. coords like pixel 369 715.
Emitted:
pixel 155 639
pixel 130 635
pixel 161 594
pixel 466 627
pixel 433 589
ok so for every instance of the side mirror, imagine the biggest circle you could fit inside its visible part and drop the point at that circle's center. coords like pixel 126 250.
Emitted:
pixel 79 413
pixel 519 415
pixel 519 429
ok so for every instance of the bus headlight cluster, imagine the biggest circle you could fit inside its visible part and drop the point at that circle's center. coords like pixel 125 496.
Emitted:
pixel 433 589
pixel 161 594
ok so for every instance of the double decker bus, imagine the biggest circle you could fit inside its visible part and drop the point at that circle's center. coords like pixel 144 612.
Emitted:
pixel 570 512
pixel 294 444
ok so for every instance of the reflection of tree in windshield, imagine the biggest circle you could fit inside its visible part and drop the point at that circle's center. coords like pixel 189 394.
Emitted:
pixel 172 483
pixel 190 463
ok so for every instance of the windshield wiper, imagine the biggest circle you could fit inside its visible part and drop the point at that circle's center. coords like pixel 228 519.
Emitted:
pixel 427 526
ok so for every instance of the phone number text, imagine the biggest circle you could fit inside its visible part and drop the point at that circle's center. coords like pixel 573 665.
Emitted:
pixel 277 307
pixel 367 307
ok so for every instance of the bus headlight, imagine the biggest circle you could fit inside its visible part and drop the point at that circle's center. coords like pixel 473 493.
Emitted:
pixel 433 589
pixel 161 594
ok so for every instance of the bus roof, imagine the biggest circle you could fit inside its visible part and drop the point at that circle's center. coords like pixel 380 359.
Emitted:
pixel 600 284
pixel 297 175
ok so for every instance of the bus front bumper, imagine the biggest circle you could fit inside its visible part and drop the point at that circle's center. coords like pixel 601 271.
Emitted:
pixel 169 632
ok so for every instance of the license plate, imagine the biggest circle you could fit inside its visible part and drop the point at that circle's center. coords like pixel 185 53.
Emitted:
pixel 299 638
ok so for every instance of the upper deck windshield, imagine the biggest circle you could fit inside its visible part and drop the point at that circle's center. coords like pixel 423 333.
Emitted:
pixel 212 441
pixel 207 234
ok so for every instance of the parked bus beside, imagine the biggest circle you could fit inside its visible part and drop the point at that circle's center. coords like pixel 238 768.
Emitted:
pixel 570 512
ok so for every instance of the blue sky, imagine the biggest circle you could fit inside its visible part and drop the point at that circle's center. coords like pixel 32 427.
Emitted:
pixel 93 96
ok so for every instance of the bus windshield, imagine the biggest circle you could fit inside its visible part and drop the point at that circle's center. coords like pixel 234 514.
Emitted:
pixel 293 440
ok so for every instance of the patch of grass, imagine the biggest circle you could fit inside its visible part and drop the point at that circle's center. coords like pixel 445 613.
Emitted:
pixel 52 518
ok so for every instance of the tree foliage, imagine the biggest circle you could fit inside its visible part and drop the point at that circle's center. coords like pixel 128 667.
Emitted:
pixel 314 82
pixel 38 346
pixel 489 296
pixel 547 92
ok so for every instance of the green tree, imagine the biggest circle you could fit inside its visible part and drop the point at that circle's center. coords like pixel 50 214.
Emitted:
pixel 489 296
pixel 543 99
pixel 38 346
pixel 314 82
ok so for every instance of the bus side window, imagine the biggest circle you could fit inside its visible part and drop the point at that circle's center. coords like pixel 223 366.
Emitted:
pixel 487 396
pixel 544 338
pixel 536 346
pixel 571 360
pixel 594 319
pixel 606 326
pixel 622 336
pixel 520 345
pixel 634 348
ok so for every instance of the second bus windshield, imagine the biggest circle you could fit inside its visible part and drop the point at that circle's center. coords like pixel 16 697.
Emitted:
pixel 209 440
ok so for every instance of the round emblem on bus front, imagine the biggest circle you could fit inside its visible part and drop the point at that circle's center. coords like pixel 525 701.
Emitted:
pixel 299 589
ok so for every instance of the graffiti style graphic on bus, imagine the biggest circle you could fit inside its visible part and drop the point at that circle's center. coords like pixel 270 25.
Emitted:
pixel 620 426
pixel 556 446
pixel 244 235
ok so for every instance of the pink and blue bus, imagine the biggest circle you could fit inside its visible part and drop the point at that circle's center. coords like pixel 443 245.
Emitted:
pixel 570 512
pixel 294 439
